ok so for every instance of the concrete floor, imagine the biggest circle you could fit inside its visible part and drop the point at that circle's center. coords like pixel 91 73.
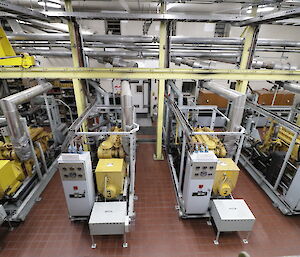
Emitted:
pixel 158 231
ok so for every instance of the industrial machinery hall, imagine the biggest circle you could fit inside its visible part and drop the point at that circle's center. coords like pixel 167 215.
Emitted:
pixel 149 128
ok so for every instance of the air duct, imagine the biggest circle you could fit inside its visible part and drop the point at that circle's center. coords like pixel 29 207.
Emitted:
pixel 237 107
pixel 16 129
pixel 127 105
pixel 191 63
pixel 292 87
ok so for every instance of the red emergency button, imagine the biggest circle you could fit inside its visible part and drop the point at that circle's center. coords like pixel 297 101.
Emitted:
pixel 75 187
pixel 200 186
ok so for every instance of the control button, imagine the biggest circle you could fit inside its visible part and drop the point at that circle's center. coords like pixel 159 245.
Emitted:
pixel 200 186
pixel 79 168
pixel 66 176
pixel 203 173
pixel 204 167
pixel 64 168
pixel 196 174
pixel 72 174
pixel 211 167
pixel 71 168
pixel 80 175
pixel 75 187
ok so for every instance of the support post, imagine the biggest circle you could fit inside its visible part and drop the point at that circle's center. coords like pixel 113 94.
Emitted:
pixel 78 85
pixel 250 41
pixel 163 63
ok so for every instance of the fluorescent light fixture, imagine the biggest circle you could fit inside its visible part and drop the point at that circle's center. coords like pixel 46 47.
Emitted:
pixel 262 8
pixel 50 3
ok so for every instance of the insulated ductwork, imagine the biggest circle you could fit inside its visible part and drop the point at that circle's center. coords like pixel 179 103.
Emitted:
pixel 192 63
pixel 118 62
pixel 292 87
pixel 16 129
pixel 256 64
pixel 100 92
pixel 236 113
pixel 237 107
pixel 127 105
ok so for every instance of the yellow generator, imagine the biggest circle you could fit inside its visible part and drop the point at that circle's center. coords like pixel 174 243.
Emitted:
pixel 110 175
pixel 226 177
pixel 11 177
pixel 213 143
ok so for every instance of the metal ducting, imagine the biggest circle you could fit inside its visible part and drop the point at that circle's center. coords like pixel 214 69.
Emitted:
pixel 191 63
pixel 90 38
pixel 100 92
pixel 256 64
pixel 237 107
pixel 292 87
pixel 127 105
pixel 17 131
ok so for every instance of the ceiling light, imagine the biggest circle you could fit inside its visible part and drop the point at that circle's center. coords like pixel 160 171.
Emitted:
pixel 50 3
pixel 262 8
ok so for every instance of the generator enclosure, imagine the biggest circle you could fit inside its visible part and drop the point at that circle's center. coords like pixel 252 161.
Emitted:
pixel 110 175
pixel 77 180
pixel 199 178
pixel 227 173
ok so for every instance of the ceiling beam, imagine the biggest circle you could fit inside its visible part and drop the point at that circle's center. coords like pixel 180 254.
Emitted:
pixel 287 14
pixel 149 16
pixel 148 73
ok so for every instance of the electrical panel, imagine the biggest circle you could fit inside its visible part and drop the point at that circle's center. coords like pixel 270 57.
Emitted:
pixel 198 182
pixel 77 180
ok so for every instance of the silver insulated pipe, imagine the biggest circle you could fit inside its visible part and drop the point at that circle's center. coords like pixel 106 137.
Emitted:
pixel 16 129
pixel 237 107
pixel 235 115
pixel 127 105
pixel 292 87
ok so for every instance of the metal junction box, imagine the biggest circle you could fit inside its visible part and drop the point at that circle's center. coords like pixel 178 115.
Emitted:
pixel 109 218
pixel 77 180
pixel 232 215
pixel 198 182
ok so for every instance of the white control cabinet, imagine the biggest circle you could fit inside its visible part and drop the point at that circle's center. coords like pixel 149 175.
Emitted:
pixel 198 182
pixel 77 180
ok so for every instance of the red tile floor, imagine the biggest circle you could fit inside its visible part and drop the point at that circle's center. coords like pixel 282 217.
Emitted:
pixel 157 231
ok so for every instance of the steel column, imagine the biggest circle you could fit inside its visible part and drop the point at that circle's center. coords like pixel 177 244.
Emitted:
pixel 248 52
pixel 78 86
pixel 163 63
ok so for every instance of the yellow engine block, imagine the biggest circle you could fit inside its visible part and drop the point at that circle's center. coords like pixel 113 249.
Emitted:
pixel 12 171
pixel 281 141
pixel 111 147
pixel 226 177
pixel 110 175
pixel 11 177
pixel 212 142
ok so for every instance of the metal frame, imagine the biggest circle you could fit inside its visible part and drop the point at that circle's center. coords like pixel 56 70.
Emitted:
pixel 149 16
pixel 278 199
pixel 75 130
pixel 19 212
pixel 180 114
pixel 281 15
pixel 150 73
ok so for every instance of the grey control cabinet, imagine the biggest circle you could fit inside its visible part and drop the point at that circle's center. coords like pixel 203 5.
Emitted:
pixel 77 180
pixel 198 182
